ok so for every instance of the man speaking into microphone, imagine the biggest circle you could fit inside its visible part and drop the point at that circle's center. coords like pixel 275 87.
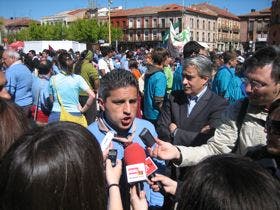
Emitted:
pixel 117 123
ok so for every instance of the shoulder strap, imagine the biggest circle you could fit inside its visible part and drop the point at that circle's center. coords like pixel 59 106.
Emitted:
pixel 239 121
pixel 241 114
pixel 58 96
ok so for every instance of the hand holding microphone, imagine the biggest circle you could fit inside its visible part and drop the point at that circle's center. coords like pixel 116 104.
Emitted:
pixel 134 158
pixel 151 167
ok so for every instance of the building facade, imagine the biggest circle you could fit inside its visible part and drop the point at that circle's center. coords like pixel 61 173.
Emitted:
pixel 216 27
pixel 274 30
pixel 255 26
pixel 227 28
pixel 147 25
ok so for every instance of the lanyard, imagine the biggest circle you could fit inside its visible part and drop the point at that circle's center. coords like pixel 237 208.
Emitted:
pixel 124 140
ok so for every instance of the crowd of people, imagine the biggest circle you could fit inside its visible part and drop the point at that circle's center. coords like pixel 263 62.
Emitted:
pixel 214 117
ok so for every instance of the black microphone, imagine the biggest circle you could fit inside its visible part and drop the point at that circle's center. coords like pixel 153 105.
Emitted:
pixel 151 167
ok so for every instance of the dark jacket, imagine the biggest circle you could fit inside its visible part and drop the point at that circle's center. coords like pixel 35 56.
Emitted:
pixel 207 111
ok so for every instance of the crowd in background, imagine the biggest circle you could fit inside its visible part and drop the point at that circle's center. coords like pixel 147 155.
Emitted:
pixel 215 118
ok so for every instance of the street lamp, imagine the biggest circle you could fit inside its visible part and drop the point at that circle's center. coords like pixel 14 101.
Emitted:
pixel 109 17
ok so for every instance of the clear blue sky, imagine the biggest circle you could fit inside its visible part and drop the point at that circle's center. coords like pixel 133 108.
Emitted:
pixel 36 9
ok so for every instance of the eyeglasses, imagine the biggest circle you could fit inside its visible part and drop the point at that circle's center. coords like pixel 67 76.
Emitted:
pixel 253 83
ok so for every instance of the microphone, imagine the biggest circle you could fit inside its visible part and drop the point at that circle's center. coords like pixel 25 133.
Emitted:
pixel 151 168
pixel 134 158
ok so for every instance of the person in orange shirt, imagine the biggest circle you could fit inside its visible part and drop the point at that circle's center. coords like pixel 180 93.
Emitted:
pixel 133 66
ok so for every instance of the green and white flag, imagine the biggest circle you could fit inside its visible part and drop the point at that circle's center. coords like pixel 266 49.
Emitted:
pixel 174 27
pixel 176 40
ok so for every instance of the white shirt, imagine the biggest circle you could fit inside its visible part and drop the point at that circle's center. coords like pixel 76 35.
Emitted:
pixel 106 64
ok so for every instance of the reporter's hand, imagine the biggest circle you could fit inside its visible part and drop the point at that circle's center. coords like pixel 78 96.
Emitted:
pixel 106 151
pixel 113 174
pixel 168 184
pixel 138 202
pixel 164 150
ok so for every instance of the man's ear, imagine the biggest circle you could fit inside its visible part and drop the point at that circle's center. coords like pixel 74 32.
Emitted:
pixel 101 104
pixel 206 79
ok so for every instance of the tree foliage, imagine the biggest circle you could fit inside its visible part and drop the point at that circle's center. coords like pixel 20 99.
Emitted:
pixel 83 30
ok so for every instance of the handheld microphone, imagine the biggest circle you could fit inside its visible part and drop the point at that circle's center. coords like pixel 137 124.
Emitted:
pixel 134 158
pixel 151 168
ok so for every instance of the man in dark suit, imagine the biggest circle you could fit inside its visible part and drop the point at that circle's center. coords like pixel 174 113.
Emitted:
pixel 190 116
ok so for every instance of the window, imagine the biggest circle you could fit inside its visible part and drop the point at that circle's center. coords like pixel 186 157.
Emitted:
pixel 214 37
pixel 138 37
pixel 197 36
pixel 191 22
pixel 154 35
pixel 209 38
pixel 163 23
pixel 203 37
pixel 131 36
pixel 191 35
pixel 138 23
pixel 146 35
pixel 251 26
pixel 197 24
pixel 154 23
pixel 203 24
pixel 209 25
pixel 146 23
pixel 214 26
pixel 130 25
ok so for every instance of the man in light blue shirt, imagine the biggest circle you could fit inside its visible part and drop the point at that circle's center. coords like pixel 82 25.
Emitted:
pixel 118 94
pixel 19 79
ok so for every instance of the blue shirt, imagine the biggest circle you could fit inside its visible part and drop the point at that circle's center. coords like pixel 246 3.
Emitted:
pixel 153 198
pixel 154 86
pixel 19 83
pixel 68 87
pixel 194 99
pixel 40 90
pixel 221 80
pixel 177 78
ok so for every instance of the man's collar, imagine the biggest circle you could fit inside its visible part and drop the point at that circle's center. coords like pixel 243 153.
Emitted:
pixel 199 95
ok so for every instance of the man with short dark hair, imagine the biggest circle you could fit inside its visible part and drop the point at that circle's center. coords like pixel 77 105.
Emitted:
pixel 118 94
pixel 35 61
pixel 155 85
pixel 105 64
pixel 40 92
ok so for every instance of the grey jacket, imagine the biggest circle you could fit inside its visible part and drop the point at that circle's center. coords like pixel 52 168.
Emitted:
pixel 225 137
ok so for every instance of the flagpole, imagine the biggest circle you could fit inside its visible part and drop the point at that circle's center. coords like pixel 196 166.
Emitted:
pixel 183 11
pixel 109 17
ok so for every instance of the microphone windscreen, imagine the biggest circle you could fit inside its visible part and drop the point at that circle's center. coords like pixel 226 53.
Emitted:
pixel 134 154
